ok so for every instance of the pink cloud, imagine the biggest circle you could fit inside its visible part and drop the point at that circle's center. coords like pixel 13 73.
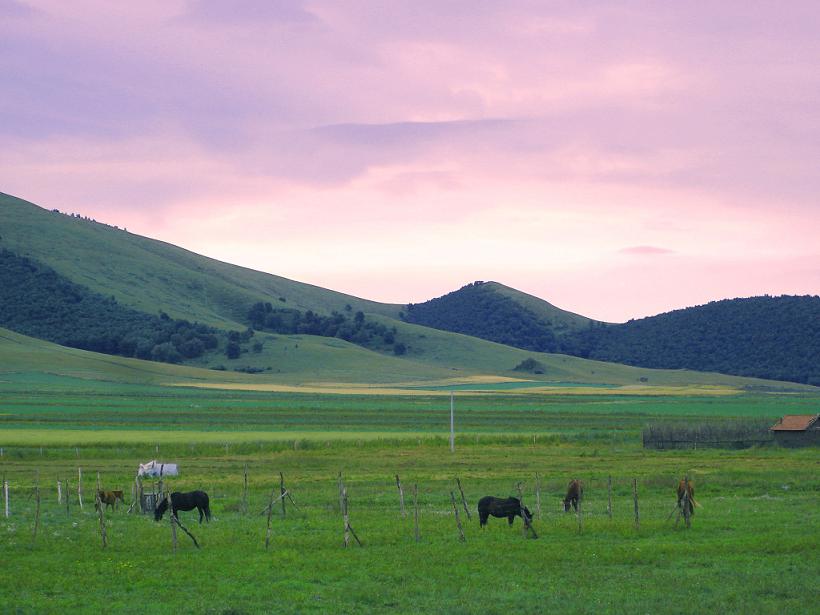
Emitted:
pixel 645 251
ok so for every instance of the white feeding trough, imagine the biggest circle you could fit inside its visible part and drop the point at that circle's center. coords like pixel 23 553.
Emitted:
pixel 155 468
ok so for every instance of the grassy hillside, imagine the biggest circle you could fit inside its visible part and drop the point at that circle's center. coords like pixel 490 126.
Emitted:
pixel 315 363
pixel 151 275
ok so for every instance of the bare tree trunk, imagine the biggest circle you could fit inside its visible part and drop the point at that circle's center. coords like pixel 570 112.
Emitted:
pixel 635 496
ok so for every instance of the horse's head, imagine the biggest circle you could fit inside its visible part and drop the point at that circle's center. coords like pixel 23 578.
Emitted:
pixel 160 510
pixel 527 512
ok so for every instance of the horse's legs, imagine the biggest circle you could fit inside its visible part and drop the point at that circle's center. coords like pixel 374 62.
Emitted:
pixel 199 508
pixel 482 519
pixel 510 519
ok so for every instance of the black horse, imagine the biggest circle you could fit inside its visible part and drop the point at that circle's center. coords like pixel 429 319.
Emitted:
pixel 185 501
pixel 575 493
pixel 501 507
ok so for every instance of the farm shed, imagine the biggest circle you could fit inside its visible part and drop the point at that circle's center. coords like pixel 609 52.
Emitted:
pixel 797 430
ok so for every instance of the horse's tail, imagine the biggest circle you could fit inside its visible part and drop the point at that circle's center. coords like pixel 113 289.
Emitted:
pixel 207 512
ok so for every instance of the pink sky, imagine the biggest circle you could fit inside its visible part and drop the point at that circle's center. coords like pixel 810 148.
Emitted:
pixel 618 159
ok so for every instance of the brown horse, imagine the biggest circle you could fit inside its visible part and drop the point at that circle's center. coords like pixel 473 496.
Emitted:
pixel 109 498
pixel 575 492
pixel 690 496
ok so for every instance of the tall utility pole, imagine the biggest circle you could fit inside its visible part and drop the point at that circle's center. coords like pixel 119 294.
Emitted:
pixel 452 425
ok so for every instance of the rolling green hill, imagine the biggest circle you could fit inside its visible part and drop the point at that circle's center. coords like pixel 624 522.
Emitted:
pixel 153 276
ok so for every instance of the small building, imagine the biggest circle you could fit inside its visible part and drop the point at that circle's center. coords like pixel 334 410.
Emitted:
pixel 797 430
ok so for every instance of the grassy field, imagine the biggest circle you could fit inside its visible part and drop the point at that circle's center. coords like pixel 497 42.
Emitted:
pixel 751 547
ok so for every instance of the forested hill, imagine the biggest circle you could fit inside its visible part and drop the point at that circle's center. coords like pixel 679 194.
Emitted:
pixel 764 337
pixel 500 314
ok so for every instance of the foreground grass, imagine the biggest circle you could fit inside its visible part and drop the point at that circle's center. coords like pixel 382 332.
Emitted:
pixel 750 548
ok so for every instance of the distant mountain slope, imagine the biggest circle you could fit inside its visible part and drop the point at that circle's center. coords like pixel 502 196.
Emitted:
pixel 495 312
pixel 764 337
pixel 151 275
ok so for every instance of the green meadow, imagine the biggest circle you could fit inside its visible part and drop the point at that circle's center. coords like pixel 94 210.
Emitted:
pixel 750 547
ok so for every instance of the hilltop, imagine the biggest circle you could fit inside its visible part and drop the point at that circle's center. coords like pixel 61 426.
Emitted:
pixel 495 312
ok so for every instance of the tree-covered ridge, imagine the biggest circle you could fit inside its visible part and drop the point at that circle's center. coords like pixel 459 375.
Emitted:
pixel 764 337
pixel 37 301
pixel 477 310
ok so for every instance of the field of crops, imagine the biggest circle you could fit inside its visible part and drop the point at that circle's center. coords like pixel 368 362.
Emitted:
pixel 750 547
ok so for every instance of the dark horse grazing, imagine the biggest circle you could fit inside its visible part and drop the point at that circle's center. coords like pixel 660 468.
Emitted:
pixel 501 507
pixel 185 501
pixel 691 496
pixel 575 492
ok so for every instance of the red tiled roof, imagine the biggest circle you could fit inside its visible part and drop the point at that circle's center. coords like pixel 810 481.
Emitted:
pixel 795 422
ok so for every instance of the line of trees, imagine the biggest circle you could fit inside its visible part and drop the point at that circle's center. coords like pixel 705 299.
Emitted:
pixel 354 328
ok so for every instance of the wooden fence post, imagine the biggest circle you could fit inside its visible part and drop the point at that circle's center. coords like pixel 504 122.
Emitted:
pixel 537 494
pixel 270 512
pixel 458 520
pixel 36 512
pixel 401 496
pixel 101 512
pixel 67 498
pixel 282 492
pixel 463 499
pixel 173 520
pixel 245 490
pixel 80 487
pixel 348 528
pixel 525 518
pixel 609 496
pixel 578 513
pixel 6 497
pixel 345 516
pixel 635 496
pixel 59 491
pixel 687 513
pixel 416 510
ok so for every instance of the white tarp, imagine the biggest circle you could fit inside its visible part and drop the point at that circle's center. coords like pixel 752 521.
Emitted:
pixel 155 468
